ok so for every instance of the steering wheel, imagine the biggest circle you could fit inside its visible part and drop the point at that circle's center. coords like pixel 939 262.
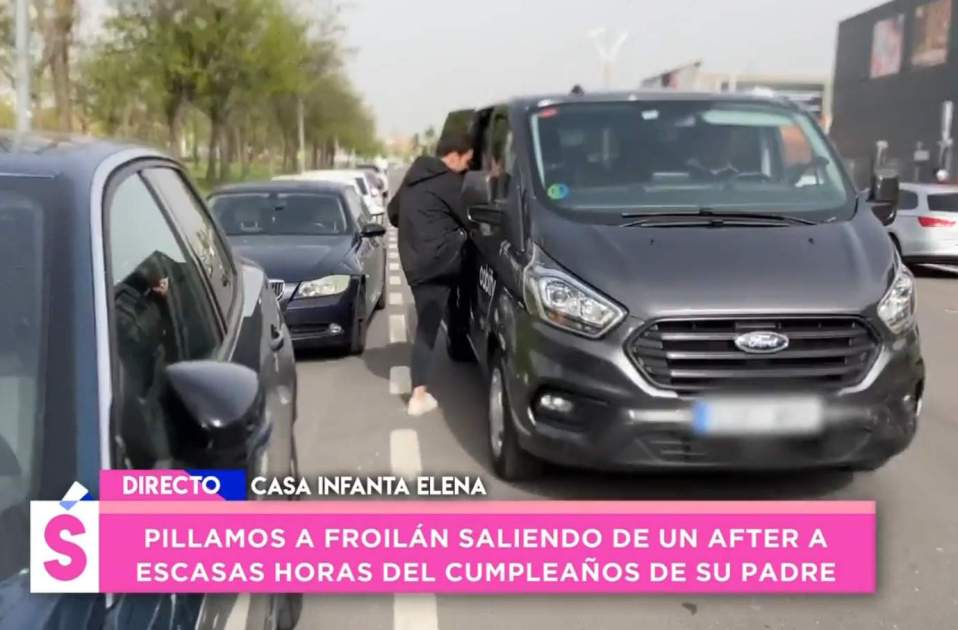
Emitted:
pixel 796 172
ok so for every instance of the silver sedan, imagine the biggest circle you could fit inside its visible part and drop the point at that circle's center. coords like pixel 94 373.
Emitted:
pixel 926 229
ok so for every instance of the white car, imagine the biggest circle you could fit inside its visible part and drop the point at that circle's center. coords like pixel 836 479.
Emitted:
pixel 926 228
pixel 356 178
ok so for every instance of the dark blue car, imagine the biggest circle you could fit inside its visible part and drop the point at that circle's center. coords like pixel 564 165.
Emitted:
pixel 323 253
pixel 124 312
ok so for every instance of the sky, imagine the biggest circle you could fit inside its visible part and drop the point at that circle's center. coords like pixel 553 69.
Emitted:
pixel 415 60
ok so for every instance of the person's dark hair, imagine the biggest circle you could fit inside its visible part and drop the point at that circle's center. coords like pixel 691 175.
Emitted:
pixel 458 142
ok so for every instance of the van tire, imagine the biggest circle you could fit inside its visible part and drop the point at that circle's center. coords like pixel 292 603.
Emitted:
pixel 510 461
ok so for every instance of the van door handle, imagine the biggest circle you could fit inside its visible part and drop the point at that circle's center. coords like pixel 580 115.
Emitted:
pixel 276 337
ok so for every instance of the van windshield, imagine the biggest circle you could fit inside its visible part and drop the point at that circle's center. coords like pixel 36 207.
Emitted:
pixel 652 156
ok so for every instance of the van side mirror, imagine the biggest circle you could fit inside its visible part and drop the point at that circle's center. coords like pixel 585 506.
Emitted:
pixel 218 408
pixel 476 189
pixel 883 195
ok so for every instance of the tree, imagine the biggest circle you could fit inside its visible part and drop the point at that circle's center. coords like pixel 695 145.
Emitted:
pixel 56 26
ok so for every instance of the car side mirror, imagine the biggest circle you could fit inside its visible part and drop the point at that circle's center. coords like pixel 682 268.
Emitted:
pixel 883 195
pixel 218 409
pixel 372 230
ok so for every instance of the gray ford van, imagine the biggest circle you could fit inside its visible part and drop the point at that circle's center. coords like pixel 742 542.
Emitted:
pixel 681 281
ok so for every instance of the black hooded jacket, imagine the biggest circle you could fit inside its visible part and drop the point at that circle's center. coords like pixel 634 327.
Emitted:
pixel 427 209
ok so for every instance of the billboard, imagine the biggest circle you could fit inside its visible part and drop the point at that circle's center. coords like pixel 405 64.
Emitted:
pixel 930 33
pixel 888 42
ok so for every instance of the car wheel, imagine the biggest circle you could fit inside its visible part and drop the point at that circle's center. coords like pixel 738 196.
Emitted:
pixel 357 341
pixel 290 609
pixel 381 302
pixel 867 466
pixel 509 460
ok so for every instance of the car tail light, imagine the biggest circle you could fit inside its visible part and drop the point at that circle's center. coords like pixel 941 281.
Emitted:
pixel 931 222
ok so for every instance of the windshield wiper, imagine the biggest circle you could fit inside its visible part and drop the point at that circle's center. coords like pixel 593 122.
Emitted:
pixel 710 216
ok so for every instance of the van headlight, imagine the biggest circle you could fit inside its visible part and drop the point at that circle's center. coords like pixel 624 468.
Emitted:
pixel 897 308
pixel 330 285
pixel 566 302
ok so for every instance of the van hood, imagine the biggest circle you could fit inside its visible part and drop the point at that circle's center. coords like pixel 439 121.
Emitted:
pixel 296 258
pixel 843 267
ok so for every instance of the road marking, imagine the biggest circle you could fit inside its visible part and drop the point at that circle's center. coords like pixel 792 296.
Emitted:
pixel 393 256
pixel 410 612
pixel 397 329
pixel 399 380
pixel 415 612
pixel 395 298
pixel 393 266
pixel 395 281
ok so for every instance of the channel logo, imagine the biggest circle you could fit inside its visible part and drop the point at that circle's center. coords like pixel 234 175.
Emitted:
pixel 65 544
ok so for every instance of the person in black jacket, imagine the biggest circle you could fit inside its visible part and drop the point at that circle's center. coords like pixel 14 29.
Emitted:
pixel 428 211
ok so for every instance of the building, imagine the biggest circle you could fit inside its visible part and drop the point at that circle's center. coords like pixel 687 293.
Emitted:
pixel 813 93
pixel 896 85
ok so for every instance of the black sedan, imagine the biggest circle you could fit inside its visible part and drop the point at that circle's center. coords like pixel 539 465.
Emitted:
pixel 130 336
pixel 322 251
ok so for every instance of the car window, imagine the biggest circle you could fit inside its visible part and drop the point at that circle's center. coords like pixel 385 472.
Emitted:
pixel 291 214
pixel 162 314
pixel 357 208
pixel 499 159
pixel 943 203
pixel 198 227
pixel 907 200
pixel 361 183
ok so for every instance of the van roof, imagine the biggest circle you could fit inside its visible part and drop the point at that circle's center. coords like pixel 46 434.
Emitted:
pixel 542 100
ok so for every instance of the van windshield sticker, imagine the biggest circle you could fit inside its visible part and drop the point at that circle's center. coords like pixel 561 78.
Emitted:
pixel 558 191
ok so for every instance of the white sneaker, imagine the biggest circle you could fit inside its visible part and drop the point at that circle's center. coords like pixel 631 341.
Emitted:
pixel 421 405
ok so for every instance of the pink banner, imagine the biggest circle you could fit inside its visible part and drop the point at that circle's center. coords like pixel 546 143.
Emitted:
pixel 488 547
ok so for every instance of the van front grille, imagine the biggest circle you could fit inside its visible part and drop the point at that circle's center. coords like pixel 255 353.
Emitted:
pixel 700 355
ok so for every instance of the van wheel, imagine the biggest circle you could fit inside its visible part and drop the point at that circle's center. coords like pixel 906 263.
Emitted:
pixel 509 460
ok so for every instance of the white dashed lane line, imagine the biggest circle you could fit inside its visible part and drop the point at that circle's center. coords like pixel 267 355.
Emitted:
pixel 397 329
pixel 410 612
pixel 394 266
pixel 395 298
pixel 395 281
pixel 399 380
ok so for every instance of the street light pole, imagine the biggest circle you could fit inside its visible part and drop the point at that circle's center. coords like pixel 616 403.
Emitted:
pixel 608 52
pixel 23 65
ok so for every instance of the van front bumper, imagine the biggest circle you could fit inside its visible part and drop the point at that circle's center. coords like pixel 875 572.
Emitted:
pixel 618 421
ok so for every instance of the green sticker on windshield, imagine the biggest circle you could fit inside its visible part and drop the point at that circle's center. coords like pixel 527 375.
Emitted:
pixel 558 191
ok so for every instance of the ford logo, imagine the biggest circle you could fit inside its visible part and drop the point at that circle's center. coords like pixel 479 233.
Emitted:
pixel 761 342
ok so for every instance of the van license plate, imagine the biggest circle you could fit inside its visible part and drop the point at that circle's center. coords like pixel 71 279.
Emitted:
pixel 750 417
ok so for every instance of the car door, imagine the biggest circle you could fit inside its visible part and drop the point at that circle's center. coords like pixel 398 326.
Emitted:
pixel 498 254
pixel 369 250
pixel 178 296
pixel 905 228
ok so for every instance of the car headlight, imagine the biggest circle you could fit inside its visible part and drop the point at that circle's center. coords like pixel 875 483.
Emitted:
pixel 566 302
pixel 330 285
pixel 897 308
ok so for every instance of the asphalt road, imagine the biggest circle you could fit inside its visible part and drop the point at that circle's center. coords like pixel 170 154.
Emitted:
pixel 352 421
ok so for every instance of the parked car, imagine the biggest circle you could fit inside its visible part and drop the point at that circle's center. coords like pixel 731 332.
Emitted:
pixel 382 179
pixel 375 208
pixel 323 252
pixel 926 228
pixel 129 307
pixel 653 282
